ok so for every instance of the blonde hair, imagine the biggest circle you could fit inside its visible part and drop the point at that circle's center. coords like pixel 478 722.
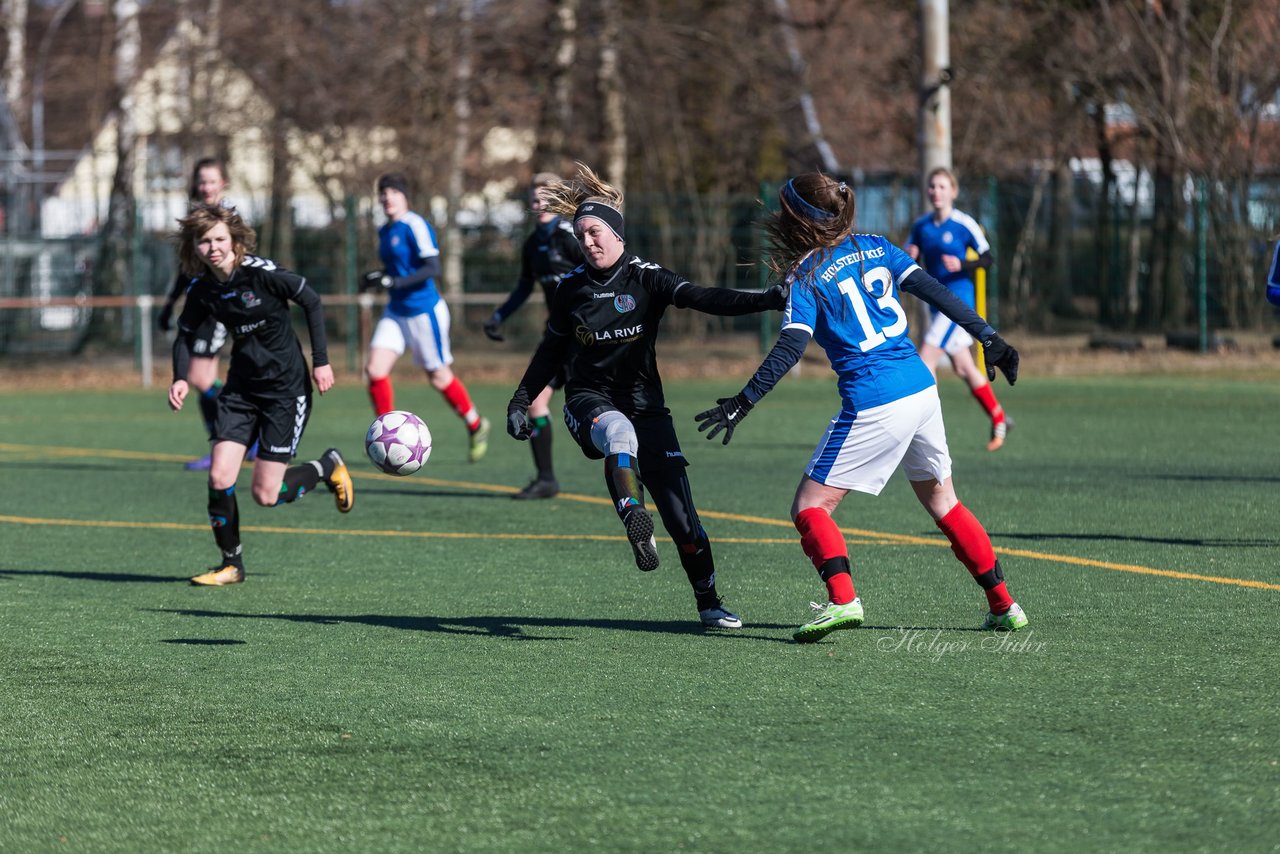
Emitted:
pixel 195 224
pixel 942 170
pixel 564 197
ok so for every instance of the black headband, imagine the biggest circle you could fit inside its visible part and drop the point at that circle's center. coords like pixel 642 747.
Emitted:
pixel 607 214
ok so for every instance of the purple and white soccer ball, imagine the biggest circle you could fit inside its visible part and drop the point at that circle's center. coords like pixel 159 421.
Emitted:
pixel 398 442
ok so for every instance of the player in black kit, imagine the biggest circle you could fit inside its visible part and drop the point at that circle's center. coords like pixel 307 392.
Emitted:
pixel 605 316
pixel 550 253
pixel 268 391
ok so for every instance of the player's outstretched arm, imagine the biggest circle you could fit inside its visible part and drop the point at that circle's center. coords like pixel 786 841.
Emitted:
pixel 729 411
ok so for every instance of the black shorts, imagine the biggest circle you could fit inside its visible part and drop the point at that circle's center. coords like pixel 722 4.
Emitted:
pixel 659 446
pixel 209 339
pixel 275 422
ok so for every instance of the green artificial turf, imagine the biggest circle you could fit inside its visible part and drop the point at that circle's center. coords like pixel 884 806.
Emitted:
pixel 446 669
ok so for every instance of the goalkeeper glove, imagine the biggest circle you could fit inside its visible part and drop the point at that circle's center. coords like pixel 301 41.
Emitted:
pixel 999 354
pixel 519 425
pixel 491 328
pixel 727 414
pixel 377 279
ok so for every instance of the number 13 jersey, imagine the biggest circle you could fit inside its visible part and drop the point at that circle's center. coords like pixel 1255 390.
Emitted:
pixel 847 299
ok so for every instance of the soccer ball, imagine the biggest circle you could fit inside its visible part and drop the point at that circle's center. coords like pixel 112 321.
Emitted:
pixel 398 442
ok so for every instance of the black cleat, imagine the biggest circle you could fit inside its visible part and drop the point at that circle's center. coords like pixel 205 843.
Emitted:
pixel 538 489
pixel 639 525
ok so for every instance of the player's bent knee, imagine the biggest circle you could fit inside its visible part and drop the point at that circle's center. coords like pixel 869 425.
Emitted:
pixel 613 433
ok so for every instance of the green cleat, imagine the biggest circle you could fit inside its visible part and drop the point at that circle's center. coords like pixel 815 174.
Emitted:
pixel 479 442
pixel 830 617
pixel 1009 621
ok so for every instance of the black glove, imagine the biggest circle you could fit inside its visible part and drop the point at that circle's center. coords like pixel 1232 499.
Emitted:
pixel 998 354
pixel 491 328
pixel 519 425
pixel 776 298
pixel 726 415
pixel 164 320
pixel 377 279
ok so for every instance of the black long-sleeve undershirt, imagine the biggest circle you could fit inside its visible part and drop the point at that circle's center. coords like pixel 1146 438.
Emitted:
pixel 791 344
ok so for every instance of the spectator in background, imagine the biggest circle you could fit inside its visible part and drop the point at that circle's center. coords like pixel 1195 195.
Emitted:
pixel 268 392
pixel 550 253
pixel 416 315
pixel 940 241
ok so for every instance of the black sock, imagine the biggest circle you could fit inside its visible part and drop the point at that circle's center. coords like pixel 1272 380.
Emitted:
pixel 540 444
pixel 224 517
pixel 209 406
pixel 623 480
pixel 700 567
pixel 299 480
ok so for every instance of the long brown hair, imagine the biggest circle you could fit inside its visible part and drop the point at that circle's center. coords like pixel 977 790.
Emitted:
pixel 195 224
pixel 821 220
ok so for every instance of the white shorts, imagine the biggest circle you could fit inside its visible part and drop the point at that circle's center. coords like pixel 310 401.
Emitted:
pixel 946 336
pixel 860 451
pixel 426 335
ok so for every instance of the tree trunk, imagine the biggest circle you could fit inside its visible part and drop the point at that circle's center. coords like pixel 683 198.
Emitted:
pixel 557 107
pixel 1059 302
pixel 15 23
pixel 453 267
pixel 611 96
pixel 113 270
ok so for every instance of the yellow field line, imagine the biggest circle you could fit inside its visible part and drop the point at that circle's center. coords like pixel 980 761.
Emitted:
pixel 863 537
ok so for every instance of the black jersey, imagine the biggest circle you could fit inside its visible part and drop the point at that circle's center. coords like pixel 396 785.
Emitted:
pixel 253 304
pixel 606 321
pixel 550 253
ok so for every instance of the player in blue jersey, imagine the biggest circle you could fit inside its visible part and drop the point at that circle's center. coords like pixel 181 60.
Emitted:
pixel 549 254
pixel 1273 278
pixel 844 295
pixel 267 397
pixel 940 242
pixel 416 316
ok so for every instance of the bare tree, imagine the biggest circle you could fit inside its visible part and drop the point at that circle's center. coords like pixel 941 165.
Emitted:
pixel 557 106
pixel 611 96
pixel 453 271
pixel 114 267
pixel 14 72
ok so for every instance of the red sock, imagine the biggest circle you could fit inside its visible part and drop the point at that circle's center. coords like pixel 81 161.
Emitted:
pixel 987 398
pixel 382 395
pixel 970 543
pixel 822 542
pixel 456 394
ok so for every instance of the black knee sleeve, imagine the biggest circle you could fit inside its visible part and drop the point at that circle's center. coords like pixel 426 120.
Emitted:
pixel 992 578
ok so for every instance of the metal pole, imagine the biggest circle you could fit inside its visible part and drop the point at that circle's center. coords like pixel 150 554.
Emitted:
pixel 935 93
pixel 1202 263
pixel 146 366
pixel 350 251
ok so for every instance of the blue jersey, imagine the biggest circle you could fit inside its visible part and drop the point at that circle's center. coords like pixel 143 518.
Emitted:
pixel 403 246
pixel 848 301
pixel 958 233
pixel 1273 279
